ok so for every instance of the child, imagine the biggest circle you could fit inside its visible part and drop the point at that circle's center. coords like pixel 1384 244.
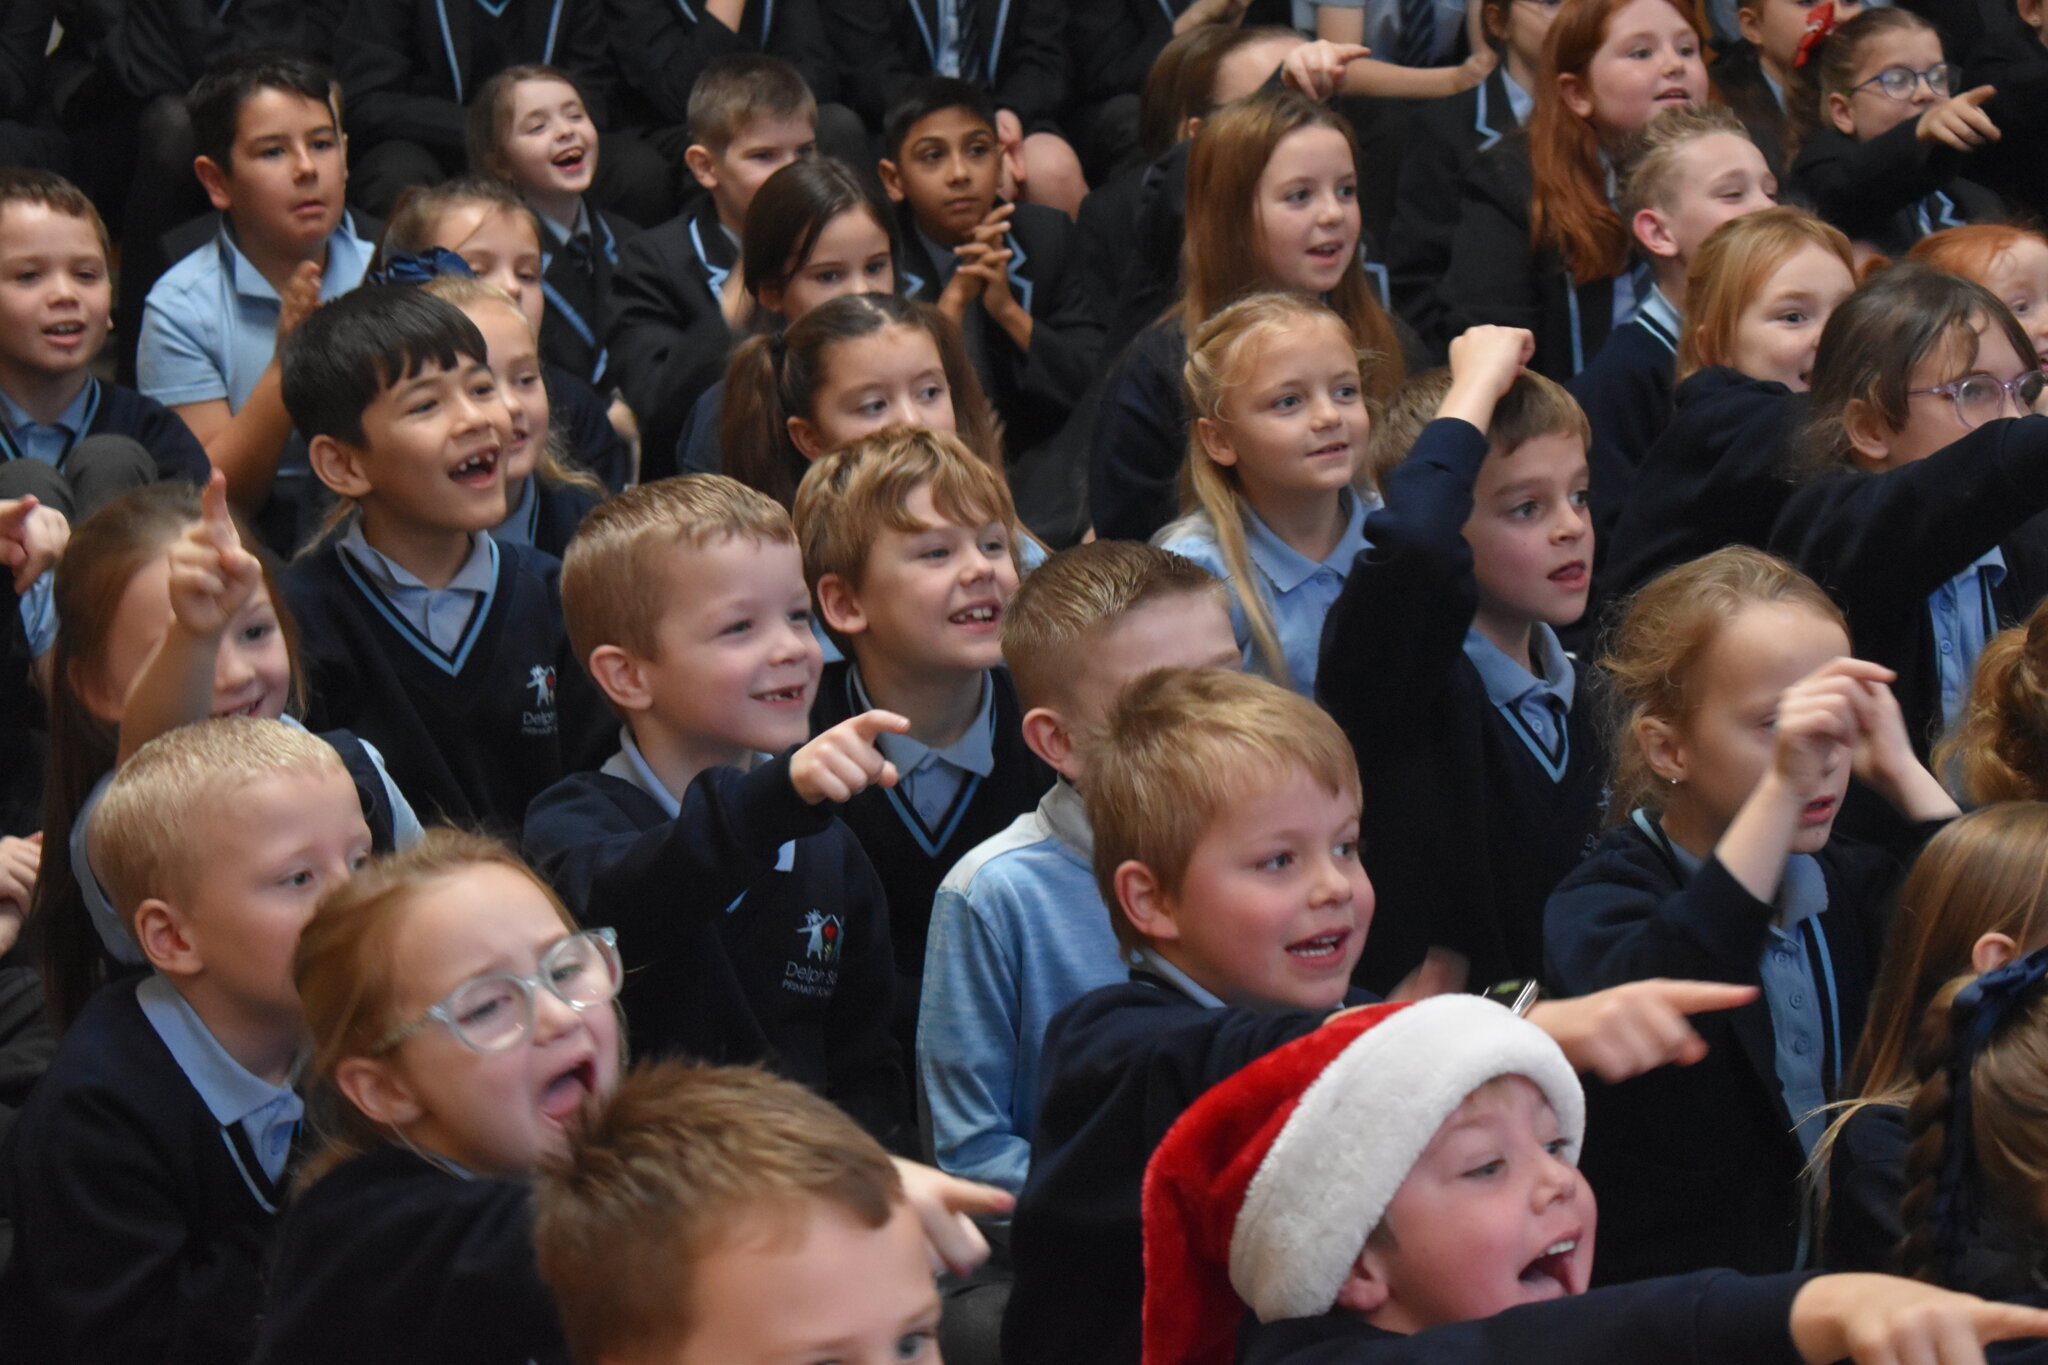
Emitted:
pixel 147 1171
pixel 685 600
pixel 1972 903
pixel 1274 493
pixel 440 645
pixel 1419 1202
pixel 1885 168
pixel 1692 169
pixel 1538 241
pixel 906 541
pixel 32 540
pixel 1008 274
pixel 1018 927
pixel 1744 720
pixel 1441 662
pixel 750 116
pixel 552 496
pixel 273 159
pixel 1767 78
pixel 480 223
pixel 1225 816
pixel 528 126
pixel 846 369
pixel 1272 203
pixel 2012 262
pixel 816 230
pixel 1758 298
pixel 1998 748
pixel 66 439
pixel 688 1212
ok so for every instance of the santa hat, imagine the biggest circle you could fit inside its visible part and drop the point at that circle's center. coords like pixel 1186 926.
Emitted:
pixel 1264 1191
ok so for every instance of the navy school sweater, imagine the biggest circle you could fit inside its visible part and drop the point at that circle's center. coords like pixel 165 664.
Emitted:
pixel 1699 1166
pixel 1121 1064
pixel 1892 190
pixel 471 739
pixel 1464 832
pixel 118 411
pixel 392 1259
pixel 1698 1319
pixel 752 927
pixel 912 860
pixel 142 1226
pixel 669 339
pixel 1627 394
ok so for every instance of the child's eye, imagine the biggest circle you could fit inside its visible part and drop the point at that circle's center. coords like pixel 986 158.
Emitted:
pixel 828 276
pixel 257 631
pixel 1579 497
pixel 1792 317
pixel 1486 1171
pixel 422 407
pixel 1278 862
pixel 912 1346
pixel 931 393
pixel 301 878
pixel 995 545
pixel 1557 1147
pixel 1287 402
pixel 738 627
pixel 1297 196
pixel 324 144
pixel 1523 509
pixel 801 617
pixel 879 266
pixel 935 553
pixel 1347 392
pixel 1347 192
pixel 871 407
pixel 483 1012
pixel 1346 850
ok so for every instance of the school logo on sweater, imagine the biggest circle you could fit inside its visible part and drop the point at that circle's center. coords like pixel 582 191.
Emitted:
pixel 540 680
pixel 823 935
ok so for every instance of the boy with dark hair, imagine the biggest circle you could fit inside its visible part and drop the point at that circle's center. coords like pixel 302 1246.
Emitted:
pixel 749 116
pixel 1009 274
pixel 66 438
pixel 754 927
pixel 418 630
pixel 272 158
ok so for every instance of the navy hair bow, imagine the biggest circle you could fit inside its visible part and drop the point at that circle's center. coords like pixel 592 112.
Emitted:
pixel 408 267
pixel 1979 1009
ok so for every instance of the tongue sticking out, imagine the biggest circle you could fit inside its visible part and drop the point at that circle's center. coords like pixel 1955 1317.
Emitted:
pixel 1549 1275
pixel 565 1094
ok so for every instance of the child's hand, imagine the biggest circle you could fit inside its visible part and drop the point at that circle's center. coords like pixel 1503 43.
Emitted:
pixel 1626 1030
pixel 1884 758
pixel 1317 69
pixel 1820 722
pixel 963 289
pixel 32 539
pixel 1485 362
pixel 1476 68
pixel 1010 137
pixel 212 576
pixel 20 861
pixel 948 1206
pixel 845 760
pixel 1960 121
pixel 299 297
pixel 1884 1320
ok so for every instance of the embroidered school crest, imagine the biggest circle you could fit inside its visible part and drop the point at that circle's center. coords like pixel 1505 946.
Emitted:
pixel 824 933
pixel 539 721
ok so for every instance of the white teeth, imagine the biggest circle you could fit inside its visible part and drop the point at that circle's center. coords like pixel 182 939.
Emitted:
pixel 976 615
pixel 1560 1248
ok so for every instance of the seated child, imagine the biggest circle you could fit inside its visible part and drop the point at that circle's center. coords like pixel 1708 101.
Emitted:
pixel 1275 490
pixel 1768 77
pixel 1018 928
pixel 1419 1203
pixel 2012 262
pixel 147 1171
pixel 1898 131
pixel 907 545
pixel 66 439
pixel 273 159
pixel 754 927
pixel 723 1215
pixel 421 632
pixel 1442 663
pixel 528 126
pixel 1744 720
pixel 1225 815
pixel 749 116
pixel 1009 274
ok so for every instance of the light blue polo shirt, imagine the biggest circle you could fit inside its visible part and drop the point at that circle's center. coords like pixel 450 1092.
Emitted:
pixel 929 779
pixel 49 442
pixel 444 616
pixel 1535 708
pixel 1964 619
pixel 268 1114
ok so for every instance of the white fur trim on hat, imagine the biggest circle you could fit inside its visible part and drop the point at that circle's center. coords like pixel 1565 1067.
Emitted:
pixel 1361 1126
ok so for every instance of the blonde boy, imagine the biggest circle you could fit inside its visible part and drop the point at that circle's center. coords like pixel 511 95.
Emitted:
pixel 907 542
pixel 1018 928
pixel 755 928
pixel 148 1167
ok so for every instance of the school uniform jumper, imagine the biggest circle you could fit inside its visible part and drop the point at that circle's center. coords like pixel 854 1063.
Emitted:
pixel 1014 48
pixel 544 515
pixel 471 734
pixel 1141 436
pixel 392 1258
pixel 1699 1166
pixel 752 926
pixel 1477 801
pixel 1627 392
pixel 669 340
pixel 103 409
pixel 1892 190
pixel 576 285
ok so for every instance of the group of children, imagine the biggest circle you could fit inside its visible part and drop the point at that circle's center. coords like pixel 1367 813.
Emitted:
pixel 710 793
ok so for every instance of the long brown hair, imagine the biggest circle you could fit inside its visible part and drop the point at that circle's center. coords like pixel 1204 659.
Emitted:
pixel 1223 260
pixel 1568 208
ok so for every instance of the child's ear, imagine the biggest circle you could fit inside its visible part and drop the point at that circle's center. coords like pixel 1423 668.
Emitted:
pixel 840 605
pixel 1751 22
pixel 1215 438
pixel 1365 1290
pixel 1662 748
pixel 160 933
pixel 806 438
pixel 1144 901
pixel 1839 114
pixel 1576 95
pixel 621 677
pixel 1047 734
pixel 378 1091
pixel 702 164
pixel 1870 436
pixel 1992 951
pixel 892 179
pixel 338 465
pixel 1654 232
pixel 213 177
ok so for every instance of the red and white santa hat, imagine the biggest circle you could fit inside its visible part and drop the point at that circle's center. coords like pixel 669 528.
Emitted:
pixel 1264 1191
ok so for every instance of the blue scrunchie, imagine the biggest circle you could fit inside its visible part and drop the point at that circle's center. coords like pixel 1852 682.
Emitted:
pixel 408 267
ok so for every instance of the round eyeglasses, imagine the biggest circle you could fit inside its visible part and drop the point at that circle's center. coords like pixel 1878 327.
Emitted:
pixel 1899 81
pixel 1981 398
pixel 492 1013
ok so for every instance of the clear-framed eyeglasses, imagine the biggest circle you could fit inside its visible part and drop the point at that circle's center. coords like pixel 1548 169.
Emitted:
pixel 1898 82
pixel 492 1013
pixel 1981 398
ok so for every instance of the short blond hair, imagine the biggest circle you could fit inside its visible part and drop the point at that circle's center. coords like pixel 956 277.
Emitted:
pixel 850 496
pixel 1056 612
pixel 614 588
pixel 143 839
pixel 679 1158
pixel 1180 746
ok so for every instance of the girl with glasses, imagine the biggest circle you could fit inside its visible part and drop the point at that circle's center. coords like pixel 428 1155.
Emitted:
pixel 1896 131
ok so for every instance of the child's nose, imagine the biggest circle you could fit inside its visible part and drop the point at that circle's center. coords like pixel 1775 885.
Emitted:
pixel 231 672
pixel 1556 1179
pixel 1572 521
pixel 903 413
pixel 552 1015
